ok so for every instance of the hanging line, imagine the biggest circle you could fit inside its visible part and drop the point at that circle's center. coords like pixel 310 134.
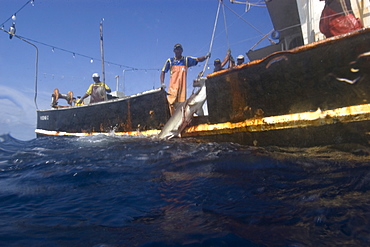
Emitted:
pixel 30 1
pixel 249 24
pixel 227 38
pixel 226 30
pixel 258 4
pixel 211 44
pixel 264 37
pixel 85 56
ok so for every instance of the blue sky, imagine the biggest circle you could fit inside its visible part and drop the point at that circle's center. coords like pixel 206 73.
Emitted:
pixel 138 34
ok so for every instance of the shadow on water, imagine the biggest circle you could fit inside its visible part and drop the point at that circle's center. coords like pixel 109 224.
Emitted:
pixel 120 191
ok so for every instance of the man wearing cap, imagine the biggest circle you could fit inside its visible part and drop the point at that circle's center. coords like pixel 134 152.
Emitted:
pixel 240 60
pixel 178 66
pixel 220 66
pixel 96 90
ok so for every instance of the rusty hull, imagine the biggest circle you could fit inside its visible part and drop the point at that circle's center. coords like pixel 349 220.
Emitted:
pixel 288 87
pixel 347 124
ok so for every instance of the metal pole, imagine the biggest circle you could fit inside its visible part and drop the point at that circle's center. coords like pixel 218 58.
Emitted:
pixel 211 44
pixel 36 62
pixel 102 50
pixel 117 79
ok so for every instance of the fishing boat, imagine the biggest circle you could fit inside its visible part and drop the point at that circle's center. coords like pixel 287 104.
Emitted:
pixel 141 114
pixel 131 115
pixel 304 90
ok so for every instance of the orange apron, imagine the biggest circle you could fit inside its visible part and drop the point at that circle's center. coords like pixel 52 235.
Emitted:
pixel 177 87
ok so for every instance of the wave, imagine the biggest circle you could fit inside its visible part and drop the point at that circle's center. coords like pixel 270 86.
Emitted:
pixel 9 139
pixel 115 187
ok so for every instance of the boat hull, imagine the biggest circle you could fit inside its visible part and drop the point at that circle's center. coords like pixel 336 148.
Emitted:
pixel 342 125
pixel 300 80
pixel 288 86
pixel 147 111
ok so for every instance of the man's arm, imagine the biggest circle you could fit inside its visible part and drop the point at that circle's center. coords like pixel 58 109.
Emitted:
pixel 162 79
pixel 82 99
pixel 107 88
pixel 201 59
pixel 227 58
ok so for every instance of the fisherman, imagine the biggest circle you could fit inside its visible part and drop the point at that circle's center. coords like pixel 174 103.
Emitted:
pixel 239 60
pixel 96 90
pixel 337 18
pixel 220 66
pixel 57 95
pixel 178 66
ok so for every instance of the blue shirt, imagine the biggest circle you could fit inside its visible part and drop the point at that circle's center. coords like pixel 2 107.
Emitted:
pixel 184 61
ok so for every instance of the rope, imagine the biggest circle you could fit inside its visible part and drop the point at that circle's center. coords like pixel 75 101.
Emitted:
pixel 258 4
pixel 264 37
pixel 226 30
pixel 212 39
pixel 30 1
pixel 344 7
pixel 249 23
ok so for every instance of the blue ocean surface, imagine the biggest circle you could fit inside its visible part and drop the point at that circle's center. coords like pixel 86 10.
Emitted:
pixel 124 191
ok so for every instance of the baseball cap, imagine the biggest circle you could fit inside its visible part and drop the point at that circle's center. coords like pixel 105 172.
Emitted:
pixel 240 57
pixel 177 46
pixel 95 75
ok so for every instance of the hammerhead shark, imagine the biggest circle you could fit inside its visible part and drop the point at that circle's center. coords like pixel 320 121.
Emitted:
pixel 184 112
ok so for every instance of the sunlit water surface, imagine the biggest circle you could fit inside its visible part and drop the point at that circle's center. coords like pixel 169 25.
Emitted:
pixel 121 191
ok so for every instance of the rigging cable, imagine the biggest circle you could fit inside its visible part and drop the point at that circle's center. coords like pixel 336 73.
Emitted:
pixel 264 37
pixel 29 1
pixel 258 4
pixel 248 22
pixel 85 56
pixel 226 30
pixel 227 38
pixel 211 44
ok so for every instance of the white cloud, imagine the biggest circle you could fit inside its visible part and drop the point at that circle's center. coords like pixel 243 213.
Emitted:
pixel 17 114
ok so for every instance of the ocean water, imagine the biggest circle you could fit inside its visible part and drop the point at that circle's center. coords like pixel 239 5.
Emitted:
pixel 121 191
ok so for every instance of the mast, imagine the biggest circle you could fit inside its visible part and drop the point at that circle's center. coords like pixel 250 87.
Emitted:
pixel 102 50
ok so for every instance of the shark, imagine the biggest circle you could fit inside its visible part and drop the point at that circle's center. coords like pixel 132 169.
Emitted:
pixel 185 111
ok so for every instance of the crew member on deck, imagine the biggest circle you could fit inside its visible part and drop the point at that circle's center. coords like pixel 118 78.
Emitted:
pixel 178 66
pixel 239 60
pixel 220 66
pixel 97 91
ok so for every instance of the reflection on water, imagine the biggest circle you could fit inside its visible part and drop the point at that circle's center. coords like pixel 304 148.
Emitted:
pixel 117 191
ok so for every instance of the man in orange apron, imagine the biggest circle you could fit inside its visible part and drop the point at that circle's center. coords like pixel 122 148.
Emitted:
pixel 178 66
